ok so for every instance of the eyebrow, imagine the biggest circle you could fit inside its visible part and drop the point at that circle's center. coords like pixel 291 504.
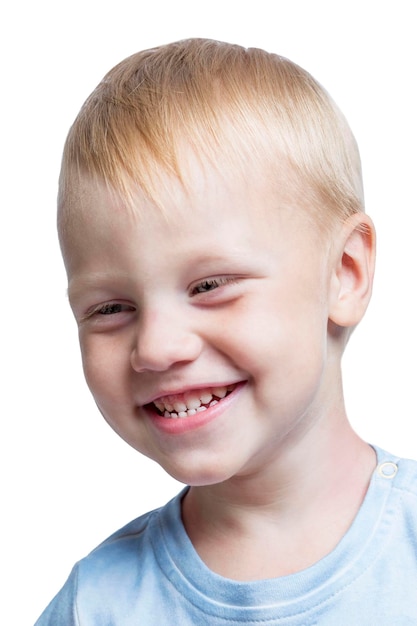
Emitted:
pixel 238 256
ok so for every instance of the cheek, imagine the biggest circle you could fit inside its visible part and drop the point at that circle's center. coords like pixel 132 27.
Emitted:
pixel 108 379
pixel 105 370
pixel 281 345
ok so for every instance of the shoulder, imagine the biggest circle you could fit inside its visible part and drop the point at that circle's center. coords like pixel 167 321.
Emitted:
pixel 116 562
pixel 396 479
pixel 131 532
pixel 133 545
pixel 397 475
pixel 115 574
pixel 405 475
pixel 409 469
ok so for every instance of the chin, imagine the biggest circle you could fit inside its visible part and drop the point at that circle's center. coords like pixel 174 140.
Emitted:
pixel 199 476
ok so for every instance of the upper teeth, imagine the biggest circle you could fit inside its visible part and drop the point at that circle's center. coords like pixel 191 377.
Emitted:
pixel 192 402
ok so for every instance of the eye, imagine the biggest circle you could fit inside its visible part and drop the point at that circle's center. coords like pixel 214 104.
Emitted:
pixel 107 316
pixel 207 285
pixel 108 312
pixel 111 308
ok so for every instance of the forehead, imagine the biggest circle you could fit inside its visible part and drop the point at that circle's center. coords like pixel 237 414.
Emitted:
pixel 208 196
pixel 198 173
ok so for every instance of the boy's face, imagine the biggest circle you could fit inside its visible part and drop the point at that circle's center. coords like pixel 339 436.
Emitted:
pixel 204 331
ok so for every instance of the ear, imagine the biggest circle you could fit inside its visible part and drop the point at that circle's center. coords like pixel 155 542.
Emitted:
pixel 353 271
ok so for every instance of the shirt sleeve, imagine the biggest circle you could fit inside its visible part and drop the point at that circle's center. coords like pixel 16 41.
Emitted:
pixel 62 610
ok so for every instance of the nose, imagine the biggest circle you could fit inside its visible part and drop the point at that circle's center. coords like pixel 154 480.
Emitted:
pixel 163 340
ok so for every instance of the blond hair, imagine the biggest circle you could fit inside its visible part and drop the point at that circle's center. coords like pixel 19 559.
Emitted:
pixel 218 98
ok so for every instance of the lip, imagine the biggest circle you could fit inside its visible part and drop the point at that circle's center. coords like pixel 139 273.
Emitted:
pixel 176 426
pixel 179 391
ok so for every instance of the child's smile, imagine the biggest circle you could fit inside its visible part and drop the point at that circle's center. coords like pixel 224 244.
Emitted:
pixel 187 404
pixel 203 334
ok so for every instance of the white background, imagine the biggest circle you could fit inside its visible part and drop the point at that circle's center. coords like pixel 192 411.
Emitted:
pixel 67 480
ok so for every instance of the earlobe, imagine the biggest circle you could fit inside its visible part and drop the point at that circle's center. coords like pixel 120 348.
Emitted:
pixel 353 271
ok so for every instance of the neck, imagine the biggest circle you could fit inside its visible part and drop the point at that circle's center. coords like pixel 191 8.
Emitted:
pixel 309 496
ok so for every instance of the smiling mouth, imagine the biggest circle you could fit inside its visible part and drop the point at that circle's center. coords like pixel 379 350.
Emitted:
pixel 190 403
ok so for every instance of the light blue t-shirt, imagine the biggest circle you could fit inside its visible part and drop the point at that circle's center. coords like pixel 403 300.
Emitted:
pixel 148 573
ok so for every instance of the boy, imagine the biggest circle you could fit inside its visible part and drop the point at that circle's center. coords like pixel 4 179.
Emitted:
pixel 218 256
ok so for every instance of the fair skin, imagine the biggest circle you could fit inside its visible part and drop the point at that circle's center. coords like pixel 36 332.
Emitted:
pixel 231 295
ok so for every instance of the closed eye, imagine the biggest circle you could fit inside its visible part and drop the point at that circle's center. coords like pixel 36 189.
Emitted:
pixel 111 308
pixel 206 285
pixel 211 284
pixel 107 311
